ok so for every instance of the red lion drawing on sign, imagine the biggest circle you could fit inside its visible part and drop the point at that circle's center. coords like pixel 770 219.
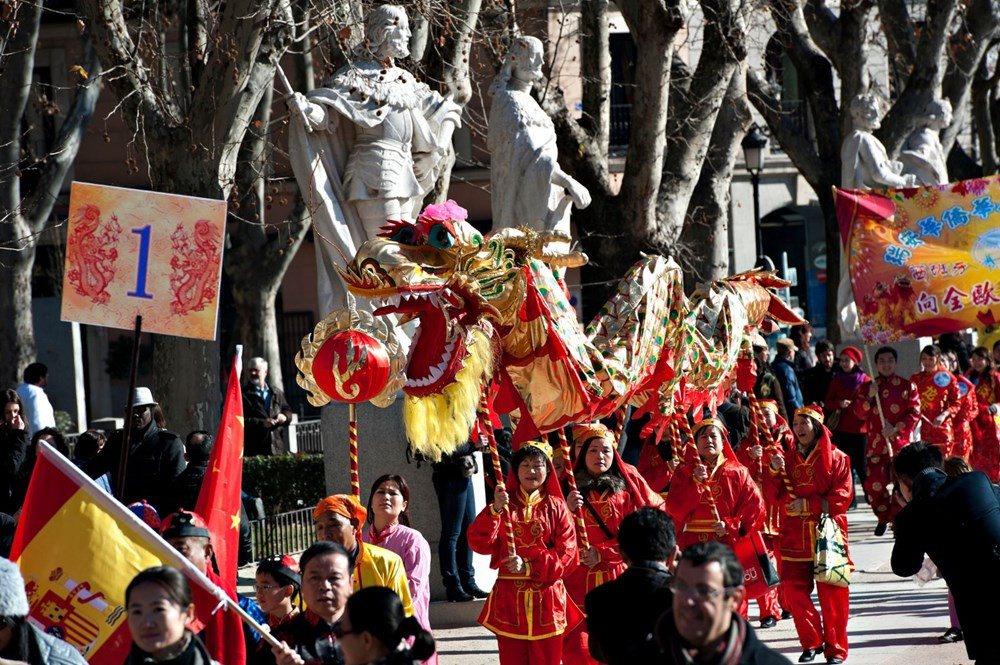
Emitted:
pixel 195 267
pixel 92 253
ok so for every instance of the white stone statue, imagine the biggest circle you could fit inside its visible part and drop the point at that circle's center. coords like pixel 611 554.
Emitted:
pixel 922 154
pixel 528 187
pixel 864 161
pixel 367 146
pixel 864 165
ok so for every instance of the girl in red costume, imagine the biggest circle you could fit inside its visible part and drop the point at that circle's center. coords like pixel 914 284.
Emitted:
pixel 967 411
pixel 608 490
pixel 849 431
pixel 755 457
pixel 939 400
pixel 820 479
pixel 986 426
pixel 528 609
pixel 716 498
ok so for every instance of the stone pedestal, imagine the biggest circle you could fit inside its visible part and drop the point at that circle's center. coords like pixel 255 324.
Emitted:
pixel 382 449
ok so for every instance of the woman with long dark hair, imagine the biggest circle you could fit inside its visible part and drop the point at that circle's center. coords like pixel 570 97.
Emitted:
pixel 13 449
pixel 608 489
pixel 390 528
pixel 374 631
pixel 159 606
pixel 986 426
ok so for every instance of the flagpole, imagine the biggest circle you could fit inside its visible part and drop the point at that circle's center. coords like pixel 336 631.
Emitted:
pixel 171 556
pixel 129 408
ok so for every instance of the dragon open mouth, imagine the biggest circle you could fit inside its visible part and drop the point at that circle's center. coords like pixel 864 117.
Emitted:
pixel 437 349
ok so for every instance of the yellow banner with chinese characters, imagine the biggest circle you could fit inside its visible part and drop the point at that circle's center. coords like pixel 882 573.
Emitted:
pixel 923 261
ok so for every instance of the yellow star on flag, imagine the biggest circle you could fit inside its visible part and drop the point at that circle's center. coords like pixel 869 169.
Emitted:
pixel 236 521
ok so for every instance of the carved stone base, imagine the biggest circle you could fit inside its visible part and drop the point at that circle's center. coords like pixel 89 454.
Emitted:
pixel 382 449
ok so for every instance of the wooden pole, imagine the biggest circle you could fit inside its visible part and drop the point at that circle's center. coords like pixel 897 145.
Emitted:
pixel 352 441
pixel 757 415
pixel 878 400
pixel 129 408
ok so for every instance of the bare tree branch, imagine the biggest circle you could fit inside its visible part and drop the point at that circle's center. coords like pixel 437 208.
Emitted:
pixel 894 17
pixel 595 70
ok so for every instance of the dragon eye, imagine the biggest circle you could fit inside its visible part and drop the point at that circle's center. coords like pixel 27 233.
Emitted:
pixel 406 235
pixel 441 237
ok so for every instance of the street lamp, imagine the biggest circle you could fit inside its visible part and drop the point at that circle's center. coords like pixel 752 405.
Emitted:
pixel 754 149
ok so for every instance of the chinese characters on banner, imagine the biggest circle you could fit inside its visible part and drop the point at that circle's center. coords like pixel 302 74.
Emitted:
pixel 923 261
pixel 132 252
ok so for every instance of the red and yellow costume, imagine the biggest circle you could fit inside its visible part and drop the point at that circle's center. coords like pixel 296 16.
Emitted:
pixel 729 494
pixel 900 404
pixel 612 506
pixel 529 611
pixel 967 412
pixel 986 427
pixel 938 393
pixel 770 603
pixel 822 480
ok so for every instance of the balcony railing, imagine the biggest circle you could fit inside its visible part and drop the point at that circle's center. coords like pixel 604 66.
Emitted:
pixel 308 436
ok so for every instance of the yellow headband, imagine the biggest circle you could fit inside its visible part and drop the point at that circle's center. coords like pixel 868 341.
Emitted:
pixel 590 431
pixel 812 412
pixel 769 404
pixel 541 445
pixel 707 422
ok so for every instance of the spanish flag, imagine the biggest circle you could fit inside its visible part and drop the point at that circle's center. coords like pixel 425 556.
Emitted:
pixel 78 549
pixel 221 490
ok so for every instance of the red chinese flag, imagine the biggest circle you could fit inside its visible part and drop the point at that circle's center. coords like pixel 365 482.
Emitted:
pixel 78 549
pixel 219 500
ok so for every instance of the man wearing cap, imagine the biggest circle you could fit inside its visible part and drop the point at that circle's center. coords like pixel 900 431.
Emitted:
pixel 890 415
pixel 338 518
pixel 784 369
pixel 156 456
pixel 223 634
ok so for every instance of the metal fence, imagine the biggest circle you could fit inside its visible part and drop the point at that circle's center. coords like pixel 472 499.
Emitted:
pixel 309 436
pixel 284 533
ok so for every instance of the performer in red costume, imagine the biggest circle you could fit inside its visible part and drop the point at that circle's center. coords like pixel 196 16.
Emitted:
pixel 755 457
pixel 967 411
pixel 528 609
pixel 715 499
pixel 608 490
pixel 939 400
pixel 986 426
pixel 889 429
pixel 819 477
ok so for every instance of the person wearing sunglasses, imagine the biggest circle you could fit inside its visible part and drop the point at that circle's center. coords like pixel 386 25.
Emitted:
pixel 703 624
pixel 311 636
pixel 374 631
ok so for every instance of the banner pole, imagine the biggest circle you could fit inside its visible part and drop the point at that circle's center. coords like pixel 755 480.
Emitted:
pixel 878 400
pixel 129 408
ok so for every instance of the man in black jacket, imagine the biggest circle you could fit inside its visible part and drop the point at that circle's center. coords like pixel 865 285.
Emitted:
pixel 956 522
pixel 266 414
pixel 621 613
pixel 703 625
pixel 156 456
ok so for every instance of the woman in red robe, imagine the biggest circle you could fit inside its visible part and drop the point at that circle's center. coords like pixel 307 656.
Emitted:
pixel 755 457
pixel 986 426
pixel 939 400
pixel 967 411
pixel 608 489
pixel 820 479
pixel 528 609
pixel 716 498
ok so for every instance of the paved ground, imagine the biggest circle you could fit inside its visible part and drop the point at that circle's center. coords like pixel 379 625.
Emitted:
pixel 892 622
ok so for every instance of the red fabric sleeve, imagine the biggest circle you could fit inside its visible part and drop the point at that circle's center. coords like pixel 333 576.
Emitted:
pixel 484 536
pixel 912 407
pixel 749 504
pixel 684 495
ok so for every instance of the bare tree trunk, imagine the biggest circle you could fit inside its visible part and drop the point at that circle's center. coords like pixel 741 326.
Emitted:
pixel 705 240
pixel 595 70
pixel 982 117
pixel 26 213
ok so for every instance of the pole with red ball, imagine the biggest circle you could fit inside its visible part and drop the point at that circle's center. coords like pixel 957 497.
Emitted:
pixel 352 416
pixel 491 443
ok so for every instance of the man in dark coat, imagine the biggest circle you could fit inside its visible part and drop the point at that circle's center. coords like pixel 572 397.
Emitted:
pixel 703 625
pixel 621 613
pixel 265 412
pixel 156 456
pixel 956 522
